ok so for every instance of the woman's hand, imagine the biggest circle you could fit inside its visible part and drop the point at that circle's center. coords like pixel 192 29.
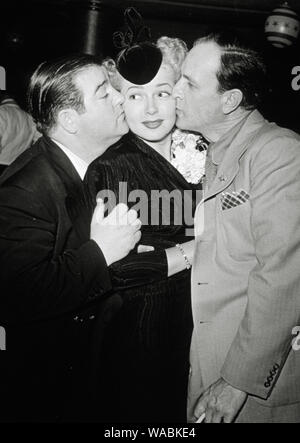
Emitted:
pixel 176 260
pixel 189 248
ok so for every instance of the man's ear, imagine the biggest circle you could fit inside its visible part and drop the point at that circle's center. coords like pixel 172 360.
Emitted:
pixel 67 119
pixel 232 100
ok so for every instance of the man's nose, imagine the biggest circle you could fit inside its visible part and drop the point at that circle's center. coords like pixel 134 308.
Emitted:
pixel 118 98
pixel 177 90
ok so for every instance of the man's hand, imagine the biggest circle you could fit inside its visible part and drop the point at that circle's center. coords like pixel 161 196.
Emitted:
pixel 221 402
pixel 116 234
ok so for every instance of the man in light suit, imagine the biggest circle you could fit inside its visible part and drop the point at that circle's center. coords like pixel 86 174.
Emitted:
pixel 56 294
pixel 246 279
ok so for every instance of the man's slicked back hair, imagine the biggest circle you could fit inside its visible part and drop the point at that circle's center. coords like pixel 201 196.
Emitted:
pixel 240 68
pixel 52 88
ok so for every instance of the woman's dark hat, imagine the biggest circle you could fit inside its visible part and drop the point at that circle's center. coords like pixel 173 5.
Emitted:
pixel 140 60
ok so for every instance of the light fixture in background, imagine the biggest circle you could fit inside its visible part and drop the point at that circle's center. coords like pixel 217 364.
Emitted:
pixel 282 26
pixel 93 27
pixel 14 40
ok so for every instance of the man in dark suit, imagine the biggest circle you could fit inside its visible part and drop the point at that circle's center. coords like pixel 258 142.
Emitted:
pixel 54 254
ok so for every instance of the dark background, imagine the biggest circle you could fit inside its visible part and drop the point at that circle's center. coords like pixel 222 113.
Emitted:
pixel 36 30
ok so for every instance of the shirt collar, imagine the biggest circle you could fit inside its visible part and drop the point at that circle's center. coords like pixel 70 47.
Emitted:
pixel 218 149
pixel 80 165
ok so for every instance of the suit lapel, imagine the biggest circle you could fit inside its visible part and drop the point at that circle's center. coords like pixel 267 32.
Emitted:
pixel 229 166
pixel 75 191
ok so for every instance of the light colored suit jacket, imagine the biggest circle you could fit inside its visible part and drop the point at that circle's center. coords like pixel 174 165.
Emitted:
pixel 246 273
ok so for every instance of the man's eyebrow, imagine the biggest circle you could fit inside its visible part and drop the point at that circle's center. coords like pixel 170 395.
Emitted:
pixel 100 86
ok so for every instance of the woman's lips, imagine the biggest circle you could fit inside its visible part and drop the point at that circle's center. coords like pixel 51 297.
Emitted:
pixel 153 124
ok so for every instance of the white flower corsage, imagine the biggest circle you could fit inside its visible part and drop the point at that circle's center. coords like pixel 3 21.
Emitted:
pixel 188 155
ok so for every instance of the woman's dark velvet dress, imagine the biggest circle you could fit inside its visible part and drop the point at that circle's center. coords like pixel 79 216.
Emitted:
pixel 146 367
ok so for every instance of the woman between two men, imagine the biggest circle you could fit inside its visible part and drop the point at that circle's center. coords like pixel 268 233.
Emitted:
pixel 146 365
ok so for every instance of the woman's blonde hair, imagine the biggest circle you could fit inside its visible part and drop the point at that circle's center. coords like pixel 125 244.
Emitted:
pixel 174 51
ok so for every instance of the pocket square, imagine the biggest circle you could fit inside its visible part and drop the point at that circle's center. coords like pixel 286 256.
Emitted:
pixel 232 199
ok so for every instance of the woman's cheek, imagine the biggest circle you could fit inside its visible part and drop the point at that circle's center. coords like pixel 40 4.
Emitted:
pixel 170 108
pixel 131 112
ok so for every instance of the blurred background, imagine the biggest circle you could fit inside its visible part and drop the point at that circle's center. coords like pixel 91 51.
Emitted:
pixel 36 30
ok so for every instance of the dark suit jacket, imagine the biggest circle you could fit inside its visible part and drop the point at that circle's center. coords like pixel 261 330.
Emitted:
pixel 55 299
